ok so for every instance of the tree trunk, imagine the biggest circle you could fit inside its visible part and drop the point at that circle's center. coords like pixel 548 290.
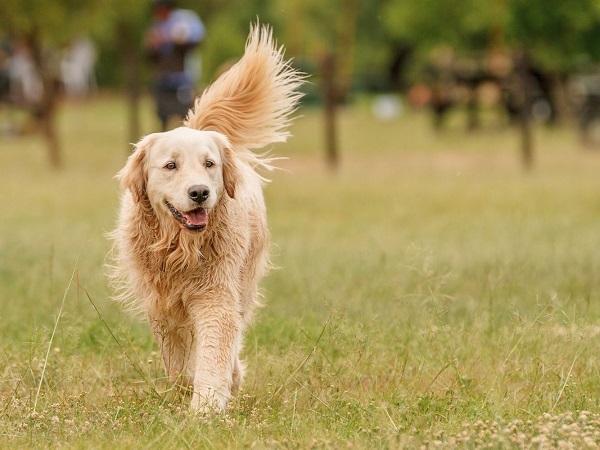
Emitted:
pixel 330 96
pixel 336 69
pixel 560 98
pixel 523 72
pixel 48 122
pixel 49 103
pixel 129 49
pixel 345 48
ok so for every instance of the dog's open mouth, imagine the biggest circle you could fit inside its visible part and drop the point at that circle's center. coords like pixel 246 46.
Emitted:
pixel 194 220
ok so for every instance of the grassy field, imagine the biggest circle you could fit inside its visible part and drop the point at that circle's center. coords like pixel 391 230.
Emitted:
pixel 430 294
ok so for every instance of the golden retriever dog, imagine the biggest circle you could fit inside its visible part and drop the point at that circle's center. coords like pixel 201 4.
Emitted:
pixel 192 242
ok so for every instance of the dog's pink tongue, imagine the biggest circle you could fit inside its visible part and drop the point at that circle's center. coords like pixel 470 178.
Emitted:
pixel 197 217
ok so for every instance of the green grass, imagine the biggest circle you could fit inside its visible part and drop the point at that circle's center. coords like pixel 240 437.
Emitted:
pixel 429 293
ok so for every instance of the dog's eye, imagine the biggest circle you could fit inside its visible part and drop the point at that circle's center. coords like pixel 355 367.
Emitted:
pixel 171 165
pixel 209 163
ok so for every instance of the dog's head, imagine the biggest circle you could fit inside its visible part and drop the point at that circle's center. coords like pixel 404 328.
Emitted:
pixel 182 173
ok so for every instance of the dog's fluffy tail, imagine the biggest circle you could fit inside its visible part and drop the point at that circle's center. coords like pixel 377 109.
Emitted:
pixel 251 103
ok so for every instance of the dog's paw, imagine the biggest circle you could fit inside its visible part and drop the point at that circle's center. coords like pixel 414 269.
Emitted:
pixel 208 401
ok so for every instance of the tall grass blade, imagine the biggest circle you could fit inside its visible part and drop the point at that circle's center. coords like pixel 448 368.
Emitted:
pixel 62 306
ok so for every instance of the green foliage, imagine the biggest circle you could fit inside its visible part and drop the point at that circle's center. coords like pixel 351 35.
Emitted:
pixel 561 36
pixel 460 24
pixel 55 22
pixel 554 32
pixel 224 45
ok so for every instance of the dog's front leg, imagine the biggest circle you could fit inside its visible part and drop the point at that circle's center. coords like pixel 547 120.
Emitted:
pixel 174 339
pixel 217 332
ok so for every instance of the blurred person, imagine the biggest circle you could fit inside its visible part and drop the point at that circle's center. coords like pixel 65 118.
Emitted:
pixel 168 42
pixel 26 88
pixel 78 67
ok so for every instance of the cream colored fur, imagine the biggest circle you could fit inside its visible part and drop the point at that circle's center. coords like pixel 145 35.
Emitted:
pixel 199 287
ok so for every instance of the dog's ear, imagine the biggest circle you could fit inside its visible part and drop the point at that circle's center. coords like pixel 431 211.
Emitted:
pixel 133 176
pixel 230 171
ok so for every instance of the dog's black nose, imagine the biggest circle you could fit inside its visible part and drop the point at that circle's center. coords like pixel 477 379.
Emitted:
pixel 199 193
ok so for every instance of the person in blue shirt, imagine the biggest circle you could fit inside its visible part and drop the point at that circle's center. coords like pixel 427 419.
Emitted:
pixel 168 42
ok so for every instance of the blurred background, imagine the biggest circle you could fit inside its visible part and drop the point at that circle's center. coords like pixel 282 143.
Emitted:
pixel 500 63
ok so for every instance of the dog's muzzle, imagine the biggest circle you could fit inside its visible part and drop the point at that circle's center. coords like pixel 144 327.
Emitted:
pixel 194 220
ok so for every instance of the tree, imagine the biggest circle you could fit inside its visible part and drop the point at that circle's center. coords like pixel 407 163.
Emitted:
pixel 463 25
pixel 46 26
pixel 556 35
pixel 551 37
pixel 325 32
pixel 121 25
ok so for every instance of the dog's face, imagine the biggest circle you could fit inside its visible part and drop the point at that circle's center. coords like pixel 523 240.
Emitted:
pixel 183 173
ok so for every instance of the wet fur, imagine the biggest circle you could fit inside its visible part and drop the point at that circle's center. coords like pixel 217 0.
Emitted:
pixel 199 289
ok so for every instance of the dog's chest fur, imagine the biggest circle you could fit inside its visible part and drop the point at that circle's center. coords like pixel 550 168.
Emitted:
pixel 182 265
